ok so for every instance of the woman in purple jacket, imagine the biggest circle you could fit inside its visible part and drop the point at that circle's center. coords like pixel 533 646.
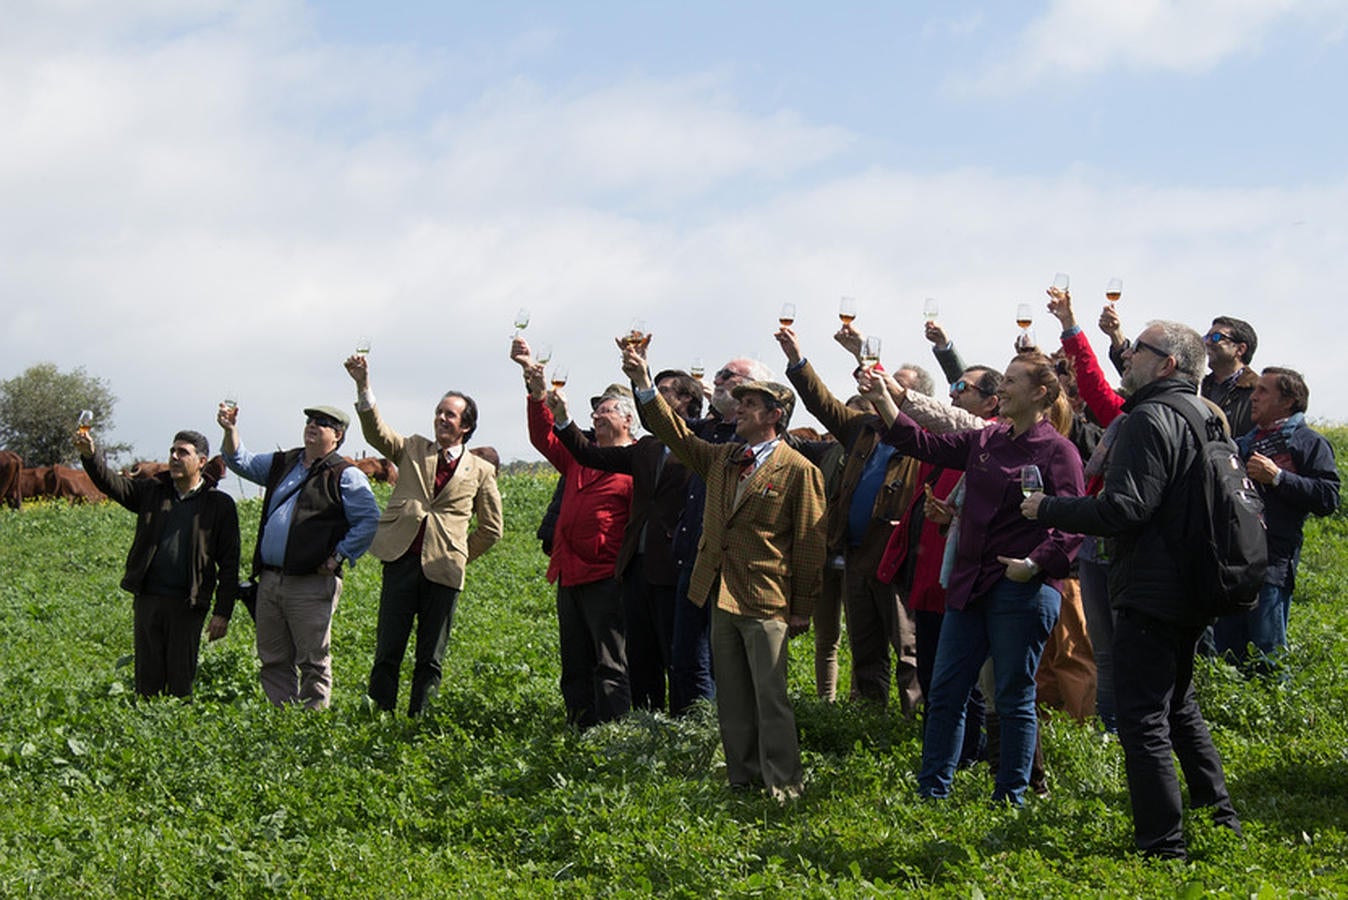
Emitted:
pixel 1002 599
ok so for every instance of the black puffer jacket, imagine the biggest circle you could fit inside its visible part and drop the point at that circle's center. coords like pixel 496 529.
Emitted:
pixel 1143 507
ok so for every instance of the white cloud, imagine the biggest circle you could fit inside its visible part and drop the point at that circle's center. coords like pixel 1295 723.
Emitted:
pixel 228 207
pixel 1082 37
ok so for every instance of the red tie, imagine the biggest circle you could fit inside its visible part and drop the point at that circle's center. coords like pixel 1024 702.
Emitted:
pixel 747 463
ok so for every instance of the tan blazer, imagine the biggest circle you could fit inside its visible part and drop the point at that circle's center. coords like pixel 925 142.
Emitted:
pixel 448 546
pixel 763 551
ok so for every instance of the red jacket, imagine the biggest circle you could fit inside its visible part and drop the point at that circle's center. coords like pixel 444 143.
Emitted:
pixel 594 510
pixel 925 594
pixel 1105 403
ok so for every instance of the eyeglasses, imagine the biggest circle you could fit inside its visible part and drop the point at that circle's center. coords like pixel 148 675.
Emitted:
pixel 1217 337
pixel 1143 345
pixel 965 384
pixel 324 422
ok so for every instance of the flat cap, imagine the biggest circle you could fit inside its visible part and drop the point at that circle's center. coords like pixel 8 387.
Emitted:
pixel 782 394
pixel 330 412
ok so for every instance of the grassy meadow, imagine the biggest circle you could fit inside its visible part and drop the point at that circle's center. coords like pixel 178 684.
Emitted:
pixel 489 795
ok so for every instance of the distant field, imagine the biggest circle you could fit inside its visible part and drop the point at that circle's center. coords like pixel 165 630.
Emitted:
pixel 489 795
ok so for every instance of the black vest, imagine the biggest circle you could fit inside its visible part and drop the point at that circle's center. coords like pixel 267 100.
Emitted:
pixel 318 522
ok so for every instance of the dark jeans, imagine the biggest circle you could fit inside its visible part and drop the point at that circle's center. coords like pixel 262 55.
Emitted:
pixel 648 623
pixel 407 595
pixel 594 652
pixel 690 678
pixel 928 627
pixel 167 639
pixel 1157 713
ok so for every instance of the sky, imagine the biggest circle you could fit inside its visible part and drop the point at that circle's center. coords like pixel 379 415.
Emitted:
pixel 204 197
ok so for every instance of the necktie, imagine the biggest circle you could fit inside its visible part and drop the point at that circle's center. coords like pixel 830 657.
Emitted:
pixel 746 463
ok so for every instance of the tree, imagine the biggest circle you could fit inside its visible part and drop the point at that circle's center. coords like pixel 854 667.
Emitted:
pixel 39 410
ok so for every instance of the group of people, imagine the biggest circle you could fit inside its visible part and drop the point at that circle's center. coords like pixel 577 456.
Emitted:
pixel 686 559
pixel 319 516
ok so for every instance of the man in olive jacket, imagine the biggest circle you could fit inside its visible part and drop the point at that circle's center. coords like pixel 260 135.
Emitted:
pixel 423 536
pixel 186 547
pixel 760 565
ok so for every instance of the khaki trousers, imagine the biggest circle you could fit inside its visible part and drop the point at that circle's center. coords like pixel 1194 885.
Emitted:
pixel 294 636
pixel 758 726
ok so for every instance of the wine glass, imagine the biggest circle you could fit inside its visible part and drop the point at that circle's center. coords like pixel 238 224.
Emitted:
pixel 788 315
pixel 847 309
pixel 543 354
pixel 231 400
pixel 1114 290
pixel 930 309
pixel 1031 480
pixel 86 420
pixel 698 368
pixel 1061 281
pixel 870 351
pixel 521 320
pixel 559 376
pixel 1024 316
pixel 363 344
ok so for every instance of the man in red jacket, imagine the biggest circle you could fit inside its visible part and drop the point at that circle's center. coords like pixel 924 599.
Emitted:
pixel 588 536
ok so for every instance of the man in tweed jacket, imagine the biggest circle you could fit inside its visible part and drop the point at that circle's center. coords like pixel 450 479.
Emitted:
pixel 760 562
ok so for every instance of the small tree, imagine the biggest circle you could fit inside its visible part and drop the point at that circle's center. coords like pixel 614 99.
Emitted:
pixel 39 410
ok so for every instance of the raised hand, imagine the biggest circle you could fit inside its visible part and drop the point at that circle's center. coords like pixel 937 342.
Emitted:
pixel 1060 305
pixel 520 352
pixel 358 367
pixel 790 344
pixel 936 334
pixel 850 339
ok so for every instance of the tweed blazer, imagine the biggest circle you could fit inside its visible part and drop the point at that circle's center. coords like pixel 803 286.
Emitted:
pixel 448 545
pixel 761 554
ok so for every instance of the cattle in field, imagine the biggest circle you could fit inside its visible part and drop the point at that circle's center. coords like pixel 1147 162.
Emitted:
pixel 376 468
pixel 214 470
pixel 72 485
pixel 805 433
pixel 145 469
pixel 489 454
pixel 33 482
pixel 10 466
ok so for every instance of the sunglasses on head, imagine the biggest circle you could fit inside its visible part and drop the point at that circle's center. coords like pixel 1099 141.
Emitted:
pixel 965 384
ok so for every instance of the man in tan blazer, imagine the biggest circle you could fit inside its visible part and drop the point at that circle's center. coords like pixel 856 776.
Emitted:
pixel 423 537
pixel 760 562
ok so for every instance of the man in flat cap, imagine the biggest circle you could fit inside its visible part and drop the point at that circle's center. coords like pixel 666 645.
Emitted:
pixel 318 514
pixel 760 566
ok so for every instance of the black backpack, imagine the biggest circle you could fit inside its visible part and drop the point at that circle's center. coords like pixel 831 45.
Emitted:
pixel 1224 519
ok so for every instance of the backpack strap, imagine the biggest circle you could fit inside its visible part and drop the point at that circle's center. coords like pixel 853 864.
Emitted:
pixel 1203 424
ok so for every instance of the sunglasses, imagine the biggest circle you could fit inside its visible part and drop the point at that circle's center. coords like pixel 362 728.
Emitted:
pixel 726 375
pixel 324 422
pixel 1217 337
pixel 965 384
pixel 1143 345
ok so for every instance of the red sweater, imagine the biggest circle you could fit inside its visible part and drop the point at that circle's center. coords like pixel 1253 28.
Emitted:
pixel 594 509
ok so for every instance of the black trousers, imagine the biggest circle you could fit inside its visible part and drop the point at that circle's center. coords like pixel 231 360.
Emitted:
pixel 648 625
pixel 167 640
pixel 1157 713
pixel 408 596
pixel 594 652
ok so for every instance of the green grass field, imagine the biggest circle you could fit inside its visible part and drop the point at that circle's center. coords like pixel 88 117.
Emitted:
pixel 490 795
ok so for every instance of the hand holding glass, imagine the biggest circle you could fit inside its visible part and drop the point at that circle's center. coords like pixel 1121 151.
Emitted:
pixel 1031 481
pixel 930 309
pixel 788 315
pixel 1114 290
pixel 847 309
pixel 86 420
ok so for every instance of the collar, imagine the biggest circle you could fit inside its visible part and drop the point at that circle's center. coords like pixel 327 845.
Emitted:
pixel 763 450
pixel 201 483
pixel 451 454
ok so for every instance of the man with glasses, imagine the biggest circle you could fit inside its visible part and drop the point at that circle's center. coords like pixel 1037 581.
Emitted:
pixel 1230 344
pixel 1143 505
pixel 318 513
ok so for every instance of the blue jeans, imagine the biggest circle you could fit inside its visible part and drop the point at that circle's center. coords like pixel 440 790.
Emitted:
pixel 1010 623
pixel 1094 578
pixel 1265 626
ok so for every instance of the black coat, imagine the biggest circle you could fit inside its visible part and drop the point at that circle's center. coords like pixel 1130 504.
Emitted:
pixel 1142 506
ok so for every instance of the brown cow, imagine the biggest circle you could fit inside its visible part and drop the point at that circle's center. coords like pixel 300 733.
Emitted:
pixel 33 482
pixel 145 469
pixel 10 465
pixel 72 485
pixel 489 454
pixel 376 468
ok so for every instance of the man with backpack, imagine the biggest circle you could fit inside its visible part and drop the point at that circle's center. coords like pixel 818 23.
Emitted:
pixel 1157 467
